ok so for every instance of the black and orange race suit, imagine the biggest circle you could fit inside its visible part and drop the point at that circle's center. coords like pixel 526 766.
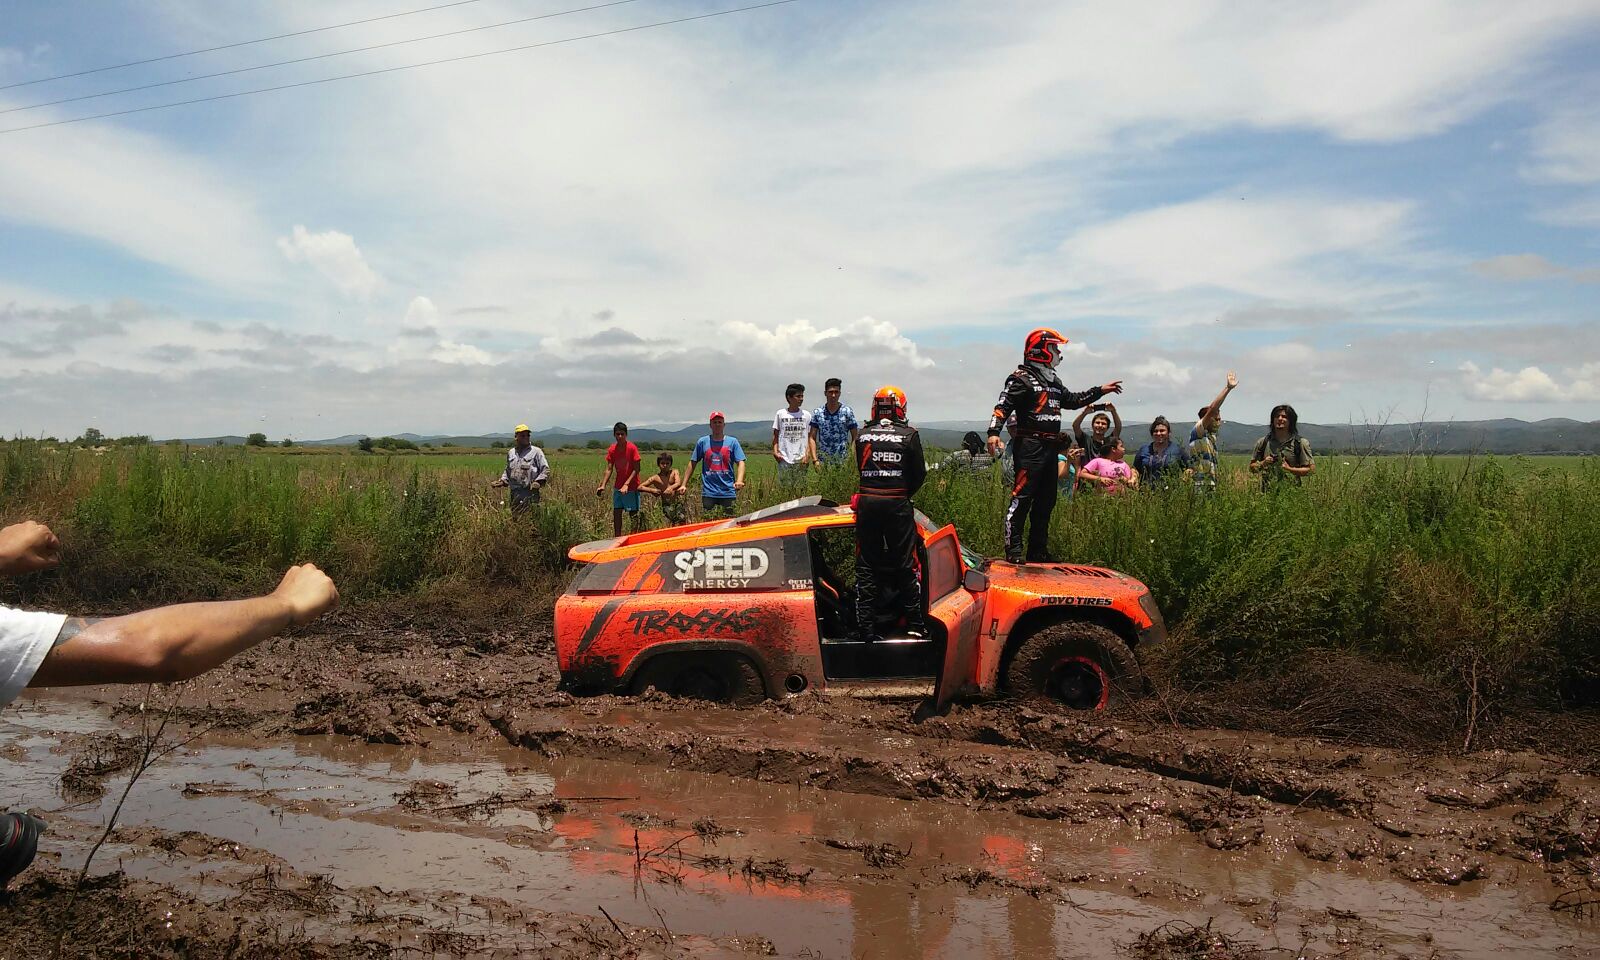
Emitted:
pixel 890 459
pixel 1038 399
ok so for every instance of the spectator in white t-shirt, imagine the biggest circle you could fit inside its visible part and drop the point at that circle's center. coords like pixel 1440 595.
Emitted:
pixel 792 444
pixel 164 645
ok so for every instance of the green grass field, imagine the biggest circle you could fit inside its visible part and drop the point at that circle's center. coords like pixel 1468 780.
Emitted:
pixel 584 461
pixel 1487 568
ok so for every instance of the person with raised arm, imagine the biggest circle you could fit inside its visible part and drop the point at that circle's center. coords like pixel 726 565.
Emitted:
pixel 1203 438
pixel 1103 429
pixel 1037 397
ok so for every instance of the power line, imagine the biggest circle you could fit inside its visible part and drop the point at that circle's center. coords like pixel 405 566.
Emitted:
pixel 241 43
pixel 409 66
pixel 320 56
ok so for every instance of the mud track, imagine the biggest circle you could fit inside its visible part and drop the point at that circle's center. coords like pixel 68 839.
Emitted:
pixel 994 830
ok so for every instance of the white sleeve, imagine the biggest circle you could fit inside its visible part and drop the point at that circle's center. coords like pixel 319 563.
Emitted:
pixel 25 638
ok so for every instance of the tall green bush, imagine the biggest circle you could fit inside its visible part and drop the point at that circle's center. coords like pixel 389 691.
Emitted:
pixel 1452 567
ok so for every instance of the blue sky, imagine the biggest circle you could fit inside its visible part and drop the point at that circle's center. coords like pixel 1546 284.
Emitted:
pixel 1370 210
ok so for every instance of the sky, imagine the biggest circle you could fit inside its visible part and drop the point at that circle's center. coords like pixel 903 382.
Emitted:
pixel 1375 211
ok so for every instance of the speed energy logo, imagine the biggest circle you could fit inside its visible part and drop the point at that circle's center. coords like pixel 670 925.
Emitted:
pixel 720 568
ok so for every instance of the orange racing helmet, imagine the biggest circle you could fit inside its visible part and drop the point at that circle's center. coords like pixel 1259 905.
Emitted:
pixel 890 402
pixel 1044 346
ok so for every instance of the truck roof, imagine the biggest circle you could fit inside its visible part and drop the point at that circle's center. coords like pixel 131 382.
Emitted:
pixel 783 519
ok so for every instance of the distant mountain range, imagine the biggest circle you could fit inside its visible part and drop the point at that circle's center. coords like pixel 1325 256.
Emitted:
pixel 1471 436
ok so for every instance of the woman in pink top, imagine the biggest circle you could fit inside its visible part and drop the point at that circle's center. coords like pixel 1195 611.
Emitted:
pixel 1111 472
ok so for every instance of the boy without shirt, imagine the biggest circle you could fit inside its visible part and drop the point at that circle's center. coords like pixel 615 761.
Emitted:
pixel 669 487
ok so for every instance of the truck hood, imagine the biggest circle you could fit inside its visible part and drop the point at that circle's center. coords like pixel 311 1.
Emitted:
pixel 1058 578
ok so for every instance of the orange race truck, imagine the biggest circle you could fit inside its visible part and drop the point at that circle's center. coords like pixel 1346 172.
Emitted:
pixel 761 606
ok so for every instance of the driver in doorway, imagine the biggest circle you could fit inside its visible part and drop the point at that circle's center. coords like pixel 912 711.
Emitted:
pixel 889 457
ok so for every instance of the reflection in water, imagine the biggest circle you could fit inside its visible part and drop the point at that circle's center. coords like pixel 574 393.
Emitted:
pixel 719 856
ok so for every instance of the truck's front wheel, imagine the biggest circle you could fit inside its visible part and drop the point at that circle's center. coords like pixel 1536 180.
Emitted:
pixel 718 677
pixel 1080 666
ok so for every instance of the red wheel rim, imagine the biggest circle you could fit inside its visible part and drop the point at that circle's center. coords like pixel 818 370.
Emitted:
pixel 1080 683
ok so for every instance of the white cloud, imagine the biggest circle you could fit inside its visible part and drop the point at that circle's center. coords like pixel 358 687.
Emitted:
pixel 419 340
pixel 1566 147
pixel 335 256
pixel 1530 384
pixel 448 351
pixel 1517 266
pixel 1032 79
pixel 799 338
pixel 1080 350
pixel 1585 383
pixel 1163 370
pixel 134 192
pixel 914 163
pixel 917 175
pixel 1289 354
pixel 1252 245
pixel 1580 211
pixel 421 312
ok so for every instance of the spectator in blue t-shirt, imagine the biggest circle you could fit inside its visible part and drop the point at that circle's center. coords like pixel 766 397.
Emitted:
pixel 723 476
pixel 833 425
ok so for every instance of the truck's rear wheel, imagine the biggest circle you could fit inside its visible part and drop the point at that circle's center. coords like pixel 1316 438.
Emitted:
pixel 1079 666
pixel 718 677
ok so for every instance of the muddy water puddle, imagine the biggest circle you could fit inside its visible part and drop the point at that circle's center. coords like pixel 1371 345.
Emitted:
pixel 835 874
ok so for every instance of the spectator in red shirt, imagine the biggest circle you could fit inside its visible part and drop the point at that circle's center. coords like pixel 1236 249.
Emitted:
pixel 622 461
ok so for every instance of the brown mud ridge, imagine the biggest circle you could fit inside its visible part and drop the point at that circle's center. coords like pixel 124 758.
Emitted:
pixel 257 908
pixel 830 826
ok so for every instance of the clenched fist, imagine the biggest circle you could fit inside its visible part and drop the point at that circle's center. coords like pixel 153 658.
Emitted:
pixel 307 592
pixel 26 547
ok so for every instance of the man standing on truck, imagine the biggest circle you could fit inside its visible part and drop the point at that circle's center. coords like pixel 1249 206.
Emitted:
pixel 890 459
pixel 1036 395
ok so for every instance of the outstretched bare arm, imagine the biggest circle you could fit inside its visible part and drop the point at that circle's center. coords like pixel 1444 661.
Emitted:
pixel 1216 404
pixel 169 644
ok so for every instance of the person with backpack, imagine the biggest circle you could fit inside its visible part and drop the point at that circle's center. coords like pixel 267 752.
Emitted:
pixel 971 458
pixel 1282 453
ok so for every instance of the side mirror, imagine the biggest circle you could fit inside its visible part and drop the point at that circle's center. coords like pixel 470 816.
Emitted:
pixel 976 581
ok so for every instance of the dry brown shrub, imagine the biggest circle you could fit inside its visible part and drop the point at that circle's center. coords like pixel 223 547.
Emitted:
pixel 1334 696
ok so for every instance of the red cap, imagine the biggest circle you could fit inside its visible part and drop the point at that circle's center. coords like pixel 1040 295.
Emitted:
pixel 716 415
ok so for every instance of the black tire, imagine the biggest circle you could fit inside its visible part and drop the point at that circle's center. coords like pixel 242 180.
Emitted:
pixel 1077 666
pixel 717 677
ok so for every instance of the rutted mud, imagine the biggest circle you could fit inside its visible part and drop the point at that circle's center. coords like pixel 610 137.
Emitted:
pixel 486 807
